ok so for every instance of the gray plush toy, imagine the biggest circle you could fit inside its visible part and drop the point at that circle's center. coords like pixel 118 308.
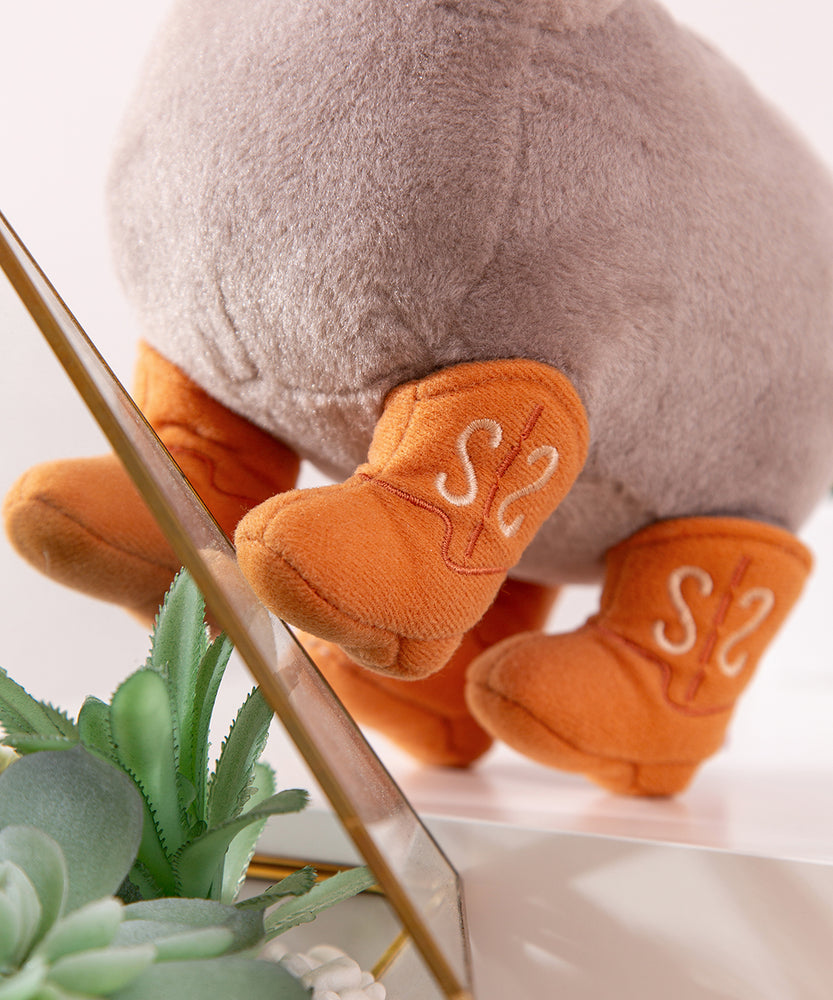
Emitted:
pixel 558 278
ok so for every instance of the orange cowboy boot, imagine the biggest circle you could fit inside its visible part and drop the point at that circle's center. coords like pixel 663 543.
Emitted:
pixel 397 563
pixel 429 718
pixel 82 522
pixel 640 695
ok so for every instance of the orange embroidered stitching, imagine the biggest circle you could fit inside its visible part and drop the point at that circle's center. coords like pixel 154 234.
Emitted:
pixel 666 672
pixel 211 465
pixel 719 619
pixel 534 417
pixel 449 529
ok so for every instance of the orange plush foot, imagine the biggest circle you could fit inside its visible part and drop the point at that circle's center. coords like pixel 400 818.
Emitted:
pixel 397 563
pixel 81 521
pixel 429 718
pixel 640 695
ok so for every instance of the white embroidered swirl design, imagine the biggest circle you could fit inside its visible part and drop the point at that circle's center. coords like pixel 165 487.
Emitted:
pixel 545 451
pixel 464 499
pixel 765 598
pixel 675 592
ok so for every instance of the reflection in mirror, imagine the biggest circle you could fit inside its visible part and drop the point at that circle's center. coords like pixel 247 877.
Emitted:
pixel 418 881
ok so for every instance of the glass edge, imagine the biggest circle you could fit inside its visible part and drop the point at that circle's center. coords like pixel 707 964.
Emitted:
pixel 190 557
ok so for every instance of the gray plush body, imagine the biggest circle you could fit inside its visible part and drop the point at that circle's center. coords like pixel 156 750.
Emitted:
pixel 316 200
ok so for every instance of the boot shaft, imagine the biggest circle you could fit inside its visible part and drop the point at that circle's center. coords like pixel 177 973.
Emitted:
pixel 703 598
pixel 490 448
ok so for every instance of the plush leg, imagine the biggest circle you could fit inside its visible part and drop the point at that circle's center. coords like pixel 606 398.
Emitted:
pixel 81 521
pixel 397 563
pixel 429 718
pixel 643 692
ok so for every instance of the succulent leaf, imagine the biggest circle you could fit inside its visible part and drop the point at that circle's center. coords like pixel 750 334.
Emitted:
pixel 195 727
pixel 21 713
pixel 141 724
pixel 40 857
pixel 186 791
pixel 325 894
pixel 198 863
pixel 180 639
pixel 78 800
pixel 93 926
pixel 241 849
pixel 296 884
pixel 94 729
pixel 180 648
pixel 209 942
pixel 100 972
pixel 174 944
pixel 233 976
pixel 20 913
pixel 61 721
pixel 230 785
pixel 49 991
pixel 26 983
pixel 145 921
pixel 26 743
pixel 9 929
pixel 152 864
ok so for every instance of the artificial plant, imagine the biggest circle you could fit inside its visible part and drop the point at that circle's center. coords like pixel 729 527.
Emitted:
pixel 125 790
pixel 70 826
pixel 199 829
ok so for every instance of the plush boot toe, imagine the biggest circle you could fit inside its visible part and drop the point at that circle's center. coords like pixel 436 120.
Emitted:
pixel 333 583
pixel 83 523
pixel 100 540
pixel 548 697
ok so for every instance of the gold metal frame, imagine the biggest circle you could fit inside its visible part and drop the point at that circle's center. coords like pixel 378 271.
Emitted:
pixel 167 493
pixel 273 869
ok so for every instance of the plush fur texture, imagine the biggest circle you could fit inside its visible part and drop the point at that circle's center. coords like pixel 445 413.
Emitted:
pixel 315 202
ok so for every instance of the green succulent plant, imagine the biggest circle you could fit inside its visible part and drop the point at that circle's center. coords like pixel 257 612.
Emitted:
pixel 70 825
pixel 199 829
pixel 121 854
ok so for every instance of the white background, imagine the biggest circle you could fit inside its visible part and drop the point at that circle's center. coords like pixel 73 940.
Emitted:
pixel 65 74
